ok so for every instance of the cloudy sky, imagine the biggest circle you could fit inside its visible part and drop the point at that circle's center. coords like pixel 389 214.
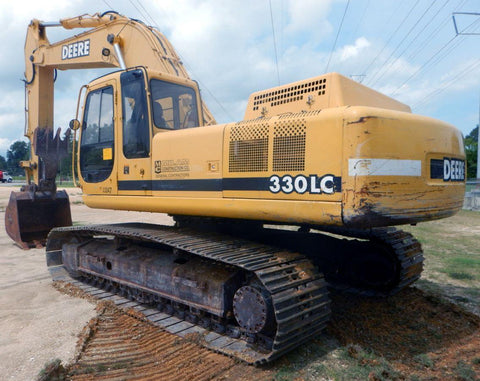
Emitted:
pixel 406 49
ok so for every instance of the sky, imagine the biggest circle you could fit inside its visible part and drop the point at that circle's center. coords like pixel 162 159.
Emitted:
pixel 407 49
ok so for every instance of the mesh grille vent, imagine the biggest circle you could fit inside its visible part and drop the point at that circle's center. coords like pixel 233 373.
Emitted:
pixel 248 148
pixel 289 146
pixel 290 94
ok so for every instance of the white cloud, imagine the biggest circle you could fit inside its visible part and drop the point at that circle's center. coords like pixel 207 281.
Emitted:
pixel 4 146
pixel 309 17
pixel 12 120
pixel 352 51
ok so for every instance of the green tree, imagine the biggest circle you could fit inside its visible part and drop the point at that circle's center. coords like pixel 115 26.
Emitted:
pixel 65 165
pixel 471 149
pixel 19 150
pixel 3 163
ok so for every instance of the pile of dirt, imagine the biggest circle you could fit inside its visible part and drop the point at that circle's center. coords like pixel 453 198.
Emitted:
pixel 71 290
pixel 116 345
pixel 417 332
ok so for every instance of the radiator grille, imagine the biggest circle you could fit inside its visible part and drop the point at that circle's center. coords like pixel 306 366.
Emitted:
pixel 248 148
pixel 289 145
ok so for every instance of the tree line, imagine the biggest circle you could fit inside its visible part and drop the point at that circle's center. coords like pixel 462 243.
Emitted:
pixel 20 150
pixel 471 149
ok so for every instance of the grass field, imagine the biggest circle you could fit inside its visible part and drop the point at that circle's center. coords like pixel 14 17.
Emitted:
pixel 452 255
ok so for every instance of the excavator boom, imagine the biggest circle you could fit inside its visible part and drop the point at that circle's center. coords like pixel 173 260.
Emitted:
pixel 112 41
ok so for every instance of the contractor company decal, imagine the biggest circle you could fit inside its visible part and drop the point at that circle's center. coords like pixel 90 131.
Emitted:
pixel 170 169
pixel 76 49
pixel 178 165
pixel 313 184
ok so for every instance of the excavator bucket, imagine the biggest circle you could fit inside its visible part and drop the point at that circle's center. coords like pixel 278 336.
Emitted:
pixel 29 217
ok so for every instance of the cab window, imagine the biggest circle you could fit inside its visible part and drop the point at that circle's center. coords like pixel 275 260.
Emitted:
pixel 174 106
pixel 136 133
pixel 96 145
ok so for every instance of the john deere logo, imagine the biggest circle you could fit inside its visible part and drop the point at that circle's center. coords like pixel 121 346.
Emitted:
pixel 75 50
pixel 453 169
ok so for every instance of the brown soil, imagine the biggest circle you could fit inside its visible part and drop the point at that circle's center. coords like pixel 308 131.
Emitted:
pixel 418 333
pixel 118 346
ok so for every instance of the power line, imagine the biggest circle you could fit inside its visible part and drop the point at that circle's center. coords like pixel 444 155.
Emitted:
pixel 448 83
pixel 436 57
pixel 336 38
pixel 108 5
pixel 147 16
pixel 424 65
pixel 362 17
pixel 274 42
pixel 430 38
pixel 391 36
pixel 385 66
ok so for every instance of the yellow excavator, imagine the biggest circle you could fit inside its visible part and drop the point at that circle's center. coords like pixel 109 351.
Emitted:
pixel 302 193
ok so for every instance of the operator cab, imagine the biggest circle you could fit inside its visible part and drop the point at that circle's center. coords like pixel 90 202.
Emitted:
pixel 122 131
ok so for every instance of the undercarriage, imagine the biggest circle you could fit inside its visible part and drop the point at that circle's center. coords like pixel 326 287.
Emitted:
pixel 254 299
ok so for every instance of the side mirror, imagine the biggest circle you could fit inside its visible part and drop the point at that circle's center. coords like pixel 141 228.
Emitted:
pixel 74 124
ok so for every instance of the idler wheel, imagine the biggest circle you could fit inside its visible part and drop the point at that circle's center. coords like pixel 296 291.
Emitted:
pixel 252 308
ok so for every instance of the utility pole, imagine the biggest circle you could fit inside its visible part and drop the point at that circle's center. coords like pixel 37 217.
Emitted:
pixel 465 33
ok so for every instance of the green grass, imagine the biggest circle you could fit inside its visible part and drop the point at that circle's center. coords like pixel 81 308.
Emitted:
pixel 348 363
pixel 465 372
pixel 451 246
pixel 52 371
pixel 463 268
pixel 424 361
pixel 65 184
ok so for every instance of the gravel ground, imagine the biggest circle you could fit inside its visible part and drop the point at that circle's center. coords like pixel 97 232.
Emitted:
pixel 39 324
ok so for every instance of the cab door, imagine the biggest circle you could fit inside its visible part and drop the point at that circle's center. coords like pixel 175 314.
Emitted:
pixel 134 160
pixel 97 165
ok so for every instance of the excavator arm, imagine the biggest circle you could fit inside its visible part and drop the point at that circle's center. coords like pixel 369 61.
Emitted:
pixel 111 40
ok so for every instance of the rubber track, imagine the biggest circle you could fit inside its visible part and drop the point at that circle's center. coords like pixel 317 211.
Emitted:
pixel 298 291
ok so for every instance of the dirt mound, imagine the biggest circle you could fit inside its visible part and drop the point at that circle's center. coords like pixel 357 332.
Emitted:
pixel 118 346
pixel 418 333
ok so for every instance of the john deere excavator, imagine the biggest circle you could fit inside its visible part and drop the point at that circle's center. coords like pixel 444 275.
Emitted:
pixel 302 192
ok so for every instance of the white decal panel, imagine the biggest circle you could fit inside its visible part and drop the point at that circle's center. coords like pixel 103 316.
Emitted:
pixel 384 167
